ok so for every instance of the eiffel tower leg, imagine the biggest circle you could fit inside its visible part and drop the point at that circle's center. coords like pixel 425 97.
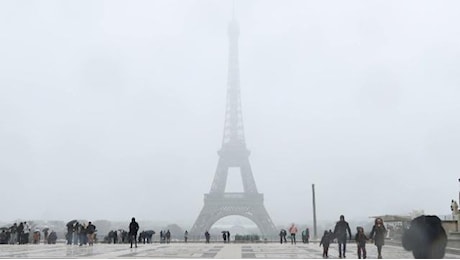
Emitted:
pixel 202 223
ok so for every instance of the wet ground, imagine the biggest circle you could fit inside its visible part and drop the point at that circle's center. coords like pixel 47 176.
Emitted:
pixel 194 250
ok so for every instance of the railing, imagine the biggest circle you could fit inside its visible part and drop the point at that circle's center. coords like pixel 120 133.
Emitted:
pixel 447 217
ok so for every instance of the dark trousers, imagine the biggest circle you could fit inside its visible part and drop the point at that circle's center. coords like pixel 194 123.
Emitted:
pixel 362 249
pixel 342 247
pixel 132 237
pixel 325 250
pixel 292 238
pixel 379 251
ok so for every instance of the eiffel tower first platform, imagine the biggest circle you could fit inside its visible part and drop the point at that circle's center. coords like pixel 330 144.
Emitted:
pixel 233 154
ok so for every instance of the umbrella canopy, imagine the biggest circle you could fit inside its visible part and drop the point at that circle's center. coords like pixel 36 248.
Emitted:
pixel 149 232
pixel 71 223
pixel 3 228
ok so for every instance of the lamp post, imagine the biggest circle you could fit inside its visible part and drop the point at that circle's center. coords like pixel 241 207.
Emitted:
pixel 314 211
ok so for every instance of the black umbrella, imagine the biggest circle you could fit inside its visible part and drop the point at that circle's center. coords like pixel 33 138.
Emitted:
pixel 4 228
pixel 71 223
pixel 45 229
pixel 149 232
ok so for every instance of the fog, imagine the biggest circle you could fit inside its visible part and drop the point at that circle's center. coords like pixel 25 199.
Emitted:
pixel 113 109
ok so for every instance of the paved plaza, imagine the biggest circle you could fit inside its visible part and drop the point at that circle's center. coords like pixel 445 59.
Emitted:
pixel 194 250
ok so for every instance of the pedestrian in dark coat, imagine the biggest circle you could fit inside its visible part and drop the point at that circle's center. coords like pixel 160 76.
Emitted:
pixel 207 236
pixel 133 229
pixel 340 232
pixel 283 234
pixel 378 235
pixel 426 237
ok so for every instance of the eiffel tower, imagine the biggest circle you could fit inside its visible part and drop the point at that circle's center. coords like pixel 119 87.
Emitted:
pixel 233 154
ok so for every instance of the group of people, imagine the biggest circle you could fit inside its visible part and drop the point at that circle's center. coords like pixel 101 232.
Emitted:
pixel 226 236
pixel 80 233
pixel 425 237
pixel 342 229
pixel 293 231
pixel 21 234
pixel 165 236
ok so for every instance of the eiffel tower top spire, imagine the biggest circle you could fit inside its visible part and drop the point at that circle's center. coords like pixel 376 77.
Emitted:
pixel 233 127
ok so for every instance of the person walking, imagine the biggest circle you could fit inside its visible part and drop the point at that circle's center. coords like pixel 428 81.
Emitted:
pixel 207 236
pixel 307 235
pixel 83 234
pixel 90 230
pixel 133 229
pixel 185 236
pixel 361 240
pixel 304 236
pixel 378 235
pixel 168 237
pixel 281 236
pixel 293 232
pixel 224 236
pixel 325 242
pixel 21 233
pixel 340 232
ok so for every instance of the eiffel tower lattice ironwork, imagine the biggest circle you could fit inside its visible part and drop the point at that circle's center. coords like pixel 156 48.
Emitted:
pixel 233 154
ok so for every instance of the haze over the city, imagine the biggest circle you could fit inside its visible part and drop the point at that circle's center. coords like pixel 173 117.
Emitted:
pixel 113 109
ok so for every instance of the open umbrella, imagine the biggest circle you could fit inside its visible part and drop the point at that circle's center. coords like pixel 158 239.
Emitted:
pixel 149 232
pixel 71 223
pixel 4 228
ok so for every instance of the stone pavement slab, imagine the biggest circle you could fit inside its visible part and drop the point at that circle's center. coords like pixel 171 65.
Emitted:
pixel 196 250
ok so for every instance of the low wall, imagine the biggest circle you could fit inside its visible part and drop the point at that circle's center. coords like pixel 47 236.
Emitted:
pixel 450 225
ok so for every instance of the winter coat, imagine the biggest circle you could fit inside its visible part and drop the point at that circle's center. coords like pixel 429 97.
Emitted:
pixel 361 239
pixel 133 228
pixel 378 234
pixel 340 230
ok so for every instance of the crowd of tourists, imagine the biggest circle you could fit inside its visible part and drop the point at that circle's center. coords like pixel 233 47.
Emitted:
pixel 426 237
pixel 22 234
pixel 80 233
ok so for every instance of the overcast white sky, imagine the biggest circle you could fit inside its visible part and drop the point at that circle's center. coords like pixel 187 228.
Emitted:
pixel 113 109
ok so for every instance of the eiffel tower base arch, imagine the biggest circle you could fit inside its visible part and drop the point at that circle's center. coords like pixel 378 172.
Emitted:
pixel 218 206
